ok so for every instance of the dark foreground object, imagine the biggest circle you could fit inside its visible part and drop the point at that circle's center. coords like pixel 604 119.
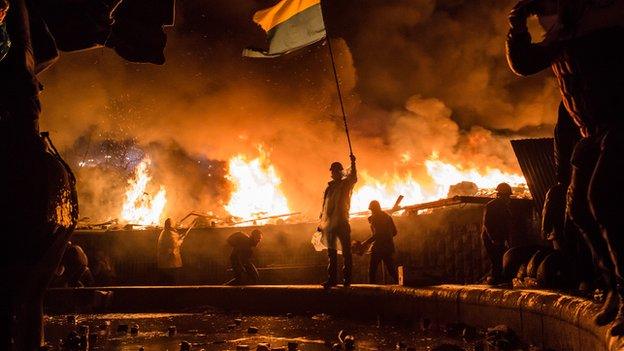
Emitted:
pixel 547 319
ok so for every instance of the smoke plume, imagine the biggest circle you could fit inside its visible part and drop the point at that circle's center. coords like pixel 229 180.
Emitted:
pixel 420 77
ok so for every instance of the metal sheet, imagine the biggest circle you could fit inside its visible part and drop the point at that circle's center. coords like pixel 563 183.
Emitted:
pixel 537 161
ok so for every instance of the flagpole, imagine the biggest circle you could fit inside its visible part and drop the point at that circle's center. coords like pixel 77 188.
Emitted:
pixel 331 56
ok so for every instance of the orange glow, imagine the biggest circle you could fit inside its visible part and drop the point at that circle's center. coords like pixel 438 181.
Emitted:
pixel 444 175
pixel 257 187
pixel 441 174
pixel 257 190
pixel 140 207
pixel 386 192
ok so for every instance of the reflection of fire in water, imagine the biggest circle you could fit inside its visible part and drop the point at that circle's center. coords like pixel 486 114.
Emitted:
pixel 257 190
pixel 140 207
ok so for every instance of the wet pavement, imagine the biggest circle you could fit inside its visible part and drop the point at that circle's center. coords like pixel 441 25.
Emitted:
pixel 214 330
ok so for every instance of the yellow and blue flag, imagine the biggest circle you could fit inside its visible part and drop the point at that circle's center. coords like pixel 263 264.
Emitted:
pixel 290 25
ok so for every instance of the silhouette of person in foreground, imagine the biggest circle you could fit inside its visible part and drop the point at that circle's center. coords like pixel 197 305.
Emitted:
pixel 382 241
pixel 496 230
pixel 242 251
pixel 335 221
pixel 39 199
pixel 582 45
pixel 578 247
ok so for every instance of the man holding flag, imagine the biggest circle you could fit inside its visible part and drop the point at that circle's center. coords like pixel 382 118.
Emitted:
pixel 335 221
pixel 291 25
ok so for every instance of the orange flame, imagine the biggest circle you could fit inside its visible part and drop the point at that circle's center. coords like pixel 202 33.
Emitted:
pixel 442 175
pixel 140 207
pixel 445 175
pixel 257 190
pixel 386 192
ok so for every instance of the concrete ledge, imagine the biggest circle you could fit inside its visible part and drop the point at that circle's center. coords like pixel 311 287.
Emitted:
pixel 547 319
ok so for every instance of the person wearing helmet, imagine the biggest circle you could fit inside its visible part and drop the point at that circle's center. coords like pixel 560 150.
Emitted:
pixel 382 241
pixel 496 229
pixel 335 221
pixel 242 250
pixel 169 259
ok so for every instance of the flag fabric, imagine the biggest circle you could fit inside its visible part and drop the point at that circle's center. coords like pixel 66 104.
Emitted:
pixel 290 25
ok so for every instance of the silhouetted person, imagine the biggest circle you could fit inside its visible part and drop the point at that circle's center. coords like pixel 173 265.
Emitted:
pixel 335 221
pixel 74 269
pixel 242 250
pixel 582 47
pixel 39 199
pixel 169 258
pixel 578 246
pixel 382 240
pixel 497 221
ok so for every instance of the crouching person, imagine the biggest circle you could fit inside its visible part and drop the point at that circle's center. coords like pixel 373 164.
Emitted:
pixel 242 250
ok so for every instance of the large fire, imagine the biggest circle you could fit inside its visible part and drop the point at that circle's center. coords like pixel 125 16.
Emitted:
pixel 386 192
pixel 257 190
pixel 139 206
pixel 442 175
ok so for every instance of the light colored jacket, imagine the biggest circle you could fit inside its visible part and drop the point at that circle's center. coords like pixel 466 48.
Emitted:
pixel 169 243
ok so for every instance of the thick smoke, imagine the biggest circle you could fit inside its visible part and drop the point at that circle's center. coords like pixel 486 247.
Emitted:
pixel 419 77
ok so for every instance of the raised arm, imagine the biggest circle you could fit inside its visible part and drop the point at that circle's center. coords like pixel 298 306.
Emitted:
pixel 352 177
pixel 523 56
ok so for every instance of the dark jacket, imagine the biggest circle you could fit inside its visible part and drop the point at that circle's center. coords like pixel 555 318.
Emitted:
pixel 242 244
pixel 337 202
pixel 497 220
pixel 384 230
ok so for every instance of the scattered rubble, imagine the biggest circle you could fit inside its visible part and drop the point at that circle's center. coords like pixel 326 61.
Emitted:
pixel 185 346
pixel 347 341
pixel 134 330
pixel 501 337
pixel 263 346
